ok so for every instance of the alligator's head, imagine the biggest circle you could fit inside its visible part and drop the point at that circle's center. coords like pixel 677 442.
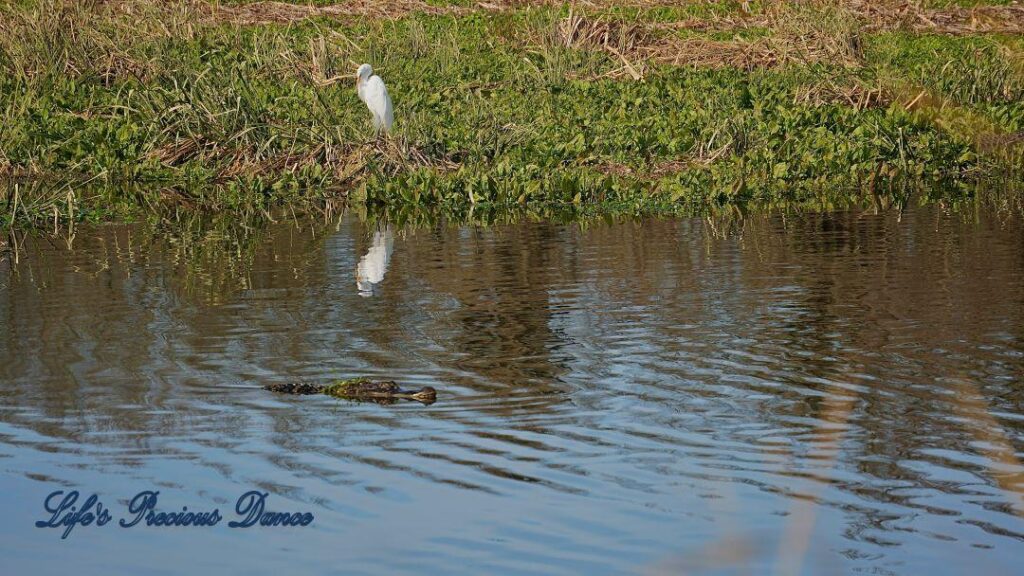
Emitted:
pixel 427 395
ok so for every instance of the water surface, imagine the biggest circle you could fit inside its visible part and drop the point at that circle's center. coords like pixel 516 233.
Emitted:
pixel 783 393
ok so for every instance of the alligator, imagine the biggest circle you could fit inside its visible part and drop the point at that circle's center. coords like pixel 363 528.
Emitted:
pixel 361 389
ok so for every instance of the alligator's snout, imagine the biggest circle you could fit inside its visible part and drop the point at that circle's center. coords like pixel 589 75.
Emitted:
pixel 426 394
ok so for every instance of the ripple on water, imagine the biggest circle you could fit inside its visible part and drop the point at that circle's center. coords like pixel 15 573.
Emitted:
pixel 841 388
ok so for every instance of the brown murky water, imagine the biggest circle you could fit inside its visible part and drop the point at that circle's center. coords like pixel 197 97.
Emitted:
pixel 788 394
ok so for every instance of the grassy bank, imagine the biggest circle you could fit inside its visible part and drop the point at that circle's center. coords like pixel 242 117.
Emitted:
pixel 119 108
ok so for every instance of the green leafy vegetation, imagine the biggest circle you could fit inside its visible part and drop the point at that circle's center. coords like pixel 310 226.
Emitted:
pixel 123 109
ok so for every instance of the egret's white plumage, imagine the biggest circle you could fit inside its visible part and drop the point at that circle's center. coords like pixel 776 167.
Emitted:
pixel 372 91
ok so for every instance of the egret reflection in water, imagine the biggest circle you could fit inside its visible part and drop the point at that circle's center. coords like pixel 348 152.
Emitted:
pixel 374 264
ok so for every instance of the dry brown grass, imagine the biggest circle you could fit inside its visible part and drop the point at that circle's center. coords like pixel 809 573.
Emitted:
pixel 281 12
pixel 812 33
pixel 72 37
pixel 579 31
pixel 179 152
pixel 876 14
pixel 857 96
pixel 818 30
pixel 709 53
pixel 1000 142
pixel 799 35
pixel 347 163
pixel 701 156
pixel 899 14
pixel 635 44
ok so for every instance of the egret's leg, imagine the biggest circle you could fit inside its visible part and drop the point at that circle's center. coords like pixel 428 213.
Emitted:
pixel 376 128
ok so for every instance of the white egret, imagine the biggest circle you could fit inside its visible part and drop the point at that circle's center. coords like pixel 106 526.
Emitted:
pixel 372 91
pixel 372 267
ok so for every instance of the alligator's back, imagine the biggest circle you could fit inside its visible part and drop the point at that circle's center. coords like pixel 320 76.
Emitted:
pixel 365 388
pixel 296 388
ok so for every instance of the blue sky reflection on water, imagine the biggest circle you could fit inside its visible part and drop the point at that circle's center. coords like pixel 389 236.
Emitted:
pixel 788 394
